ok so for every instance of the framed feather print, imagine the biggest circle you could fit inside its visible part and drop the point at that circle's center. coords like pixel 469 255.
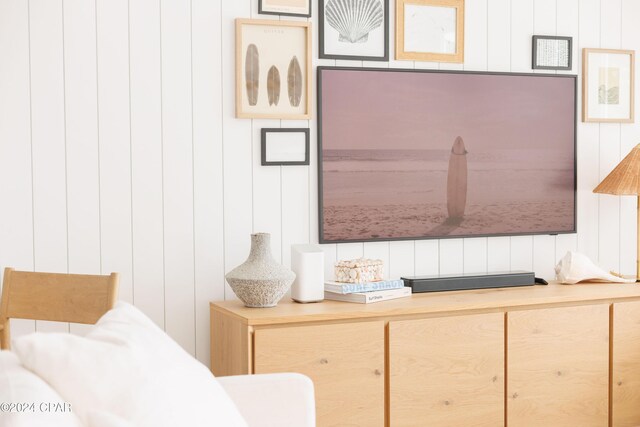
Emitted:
pixel 273 69
pixel 354 29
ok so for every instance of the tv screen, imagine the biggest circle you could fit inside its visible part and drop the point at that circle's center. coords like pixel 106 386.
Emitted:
pixel 413 154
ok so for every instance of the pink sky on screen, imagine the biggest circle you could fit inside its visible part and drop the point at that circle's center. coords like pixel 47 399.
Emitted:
pixel 414 110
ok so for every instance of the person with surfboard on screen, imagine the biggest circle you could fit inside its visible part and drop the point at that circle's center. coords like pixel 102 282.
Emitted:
pixel 457 182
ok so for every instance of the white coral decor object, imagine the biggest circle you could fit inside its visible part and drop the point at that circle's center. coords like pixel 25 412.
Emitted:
pixel 359 270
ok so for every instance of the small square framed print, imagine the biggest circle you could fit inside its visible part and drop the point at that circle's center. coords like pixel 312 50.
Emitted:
pixel 608 85
pixel 430 30
pixel 285 146
pixel 285 7
pixel 551 53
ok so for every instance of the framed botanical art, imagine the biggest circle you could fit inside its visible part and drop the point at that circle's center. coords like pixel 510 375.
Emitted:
pixel 354 29
pixel 273 69
pixel 285 7
pixel 430 30
pixel 608 85
pixel 284 146
pixel 551 53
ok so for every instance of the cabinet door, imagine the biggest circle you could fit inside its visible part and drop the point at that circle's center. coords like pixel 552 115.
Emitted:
pixel 447 371
pixel 558 367
pixel 625 378
pixel 345 362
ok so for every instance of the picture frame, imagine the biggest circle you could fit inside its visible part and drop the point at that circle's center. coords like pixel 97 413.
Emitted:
pixel 284 146
pixel 273 69
pixel 608 85
pixel 430 30
pixel 343 35
pixel 551 53
pixel 285 8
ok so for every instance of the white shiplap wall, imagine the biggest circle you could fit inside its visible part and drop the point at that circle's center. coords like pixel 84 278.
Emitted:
pixel 119 151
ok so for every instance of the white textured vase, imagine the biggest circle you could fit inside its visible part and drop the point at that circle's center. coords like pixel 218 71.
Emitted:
pixel 260 281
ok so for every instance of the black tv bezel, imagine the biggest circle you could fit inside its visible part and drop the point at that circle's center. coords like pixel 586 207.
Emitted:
pixel 321 238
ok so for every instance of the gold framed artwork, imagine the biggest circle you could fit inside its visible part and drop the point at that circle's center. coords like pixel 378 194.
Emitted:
pixel 608 85
pixel 273 69
pixel 430 30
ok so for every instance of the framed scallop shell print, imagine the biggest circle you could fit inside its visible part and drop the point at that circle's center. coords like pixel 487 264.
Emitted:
pixel 273 69
pixel 354 29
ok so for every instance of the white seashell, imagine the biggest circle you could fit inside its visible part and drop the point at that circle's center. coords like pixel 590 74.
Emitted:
pixel 575 267
pixel 354 19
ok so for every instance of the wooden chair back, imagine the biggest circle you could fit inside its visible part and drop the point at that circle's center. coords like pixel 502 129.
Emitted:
pixel 76 298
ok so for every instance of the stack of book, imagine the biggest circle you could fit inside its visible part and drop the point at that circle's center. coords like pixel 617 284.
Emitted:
pixel 366 293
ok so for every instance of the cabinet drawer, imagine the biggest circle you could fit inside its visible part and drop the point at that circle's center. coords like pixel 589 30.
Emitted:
pixel 447 371
pixel 345 362
pixel 625 370
pixel 558 367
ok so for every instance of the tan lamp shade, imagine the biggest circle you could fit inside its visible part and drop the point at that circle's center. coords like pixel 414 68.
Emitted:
pixel 624 179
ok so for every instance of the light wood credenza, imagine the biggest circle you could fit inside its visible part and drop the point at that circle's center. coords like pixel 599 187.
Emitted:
pixel 556 355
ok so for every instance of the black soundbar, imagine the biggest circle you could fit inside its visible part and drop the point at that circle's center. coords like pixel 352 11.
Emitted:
pixel 454 282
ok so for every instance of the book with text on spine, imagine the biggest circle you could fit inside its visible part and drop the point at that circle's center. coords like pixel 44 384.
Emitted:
pixel 369 297
pixel 349 288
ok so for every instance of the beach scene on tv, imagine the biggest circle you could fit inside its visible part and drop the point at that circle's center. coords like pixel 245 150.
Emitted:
pixel 419 155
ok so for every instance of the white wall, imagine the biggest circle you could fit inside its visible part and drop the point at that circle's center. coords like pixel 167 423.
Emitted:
pixel 119 151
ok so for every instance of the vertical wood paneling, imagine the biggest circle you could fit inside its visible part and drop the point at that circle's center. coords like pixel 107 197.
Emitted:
pixel 475 255
pixel 81 124
pixel 295 202
pixel 140 166
pixel 146 158
pixel 522 253
pixel 295 209
pixel 401 259
pixel 544 17
pixel 48 136
pixel 568 24
pixel 630 137
pixel 207 167
pixel 498 250
pixel 177 137
pixel 499 35
pixel 475 35
pixel 521 32
pixel 115 141
pixel 16 216
pixel 427 257
pixel 267 191
pixel 609 206
pixel 236 146
pixel 544 256
pixel 81 121
pixel 588 141
pixel 451 256
pixel 48 142
pixel 349 251
pixel 330 258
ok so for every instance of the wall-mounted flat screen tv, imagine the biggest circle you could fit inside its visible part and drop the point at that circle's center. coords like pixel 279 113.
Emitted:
pixel 413 154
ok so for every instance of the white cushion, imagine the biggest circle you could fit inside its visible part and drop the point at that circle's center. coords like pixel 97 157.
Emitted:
pixel 28 401
pixel 129 367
